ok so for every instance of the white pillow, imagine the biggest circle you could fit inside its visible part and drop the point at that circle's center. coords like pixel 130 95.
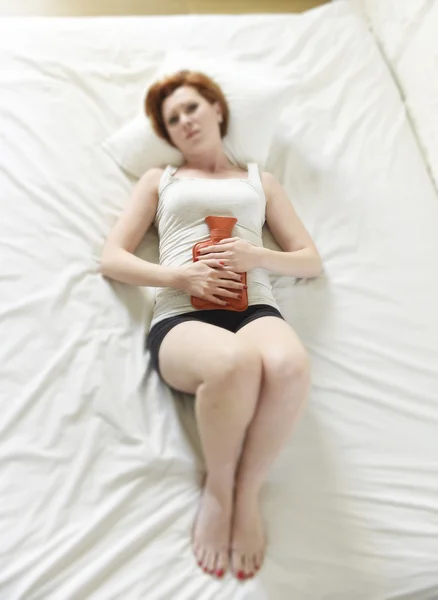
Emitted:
pixel 256 97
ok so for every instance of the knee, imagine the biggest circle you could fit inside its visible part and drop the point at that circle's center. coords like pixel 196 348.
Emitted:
pixel 238 361
pixel 288 366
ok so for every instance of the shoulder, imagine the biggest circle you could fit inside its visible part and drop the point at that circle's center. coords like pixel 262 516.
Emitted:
pixel 270 183
pixel 152 175
pixel 150 180
pixel 268 179
pixel 147 187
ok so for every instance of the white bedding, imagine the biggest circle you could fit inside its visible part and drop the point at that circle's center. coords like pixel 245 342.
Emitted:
pixel 395 22
pixel 99 463
pixel 408 35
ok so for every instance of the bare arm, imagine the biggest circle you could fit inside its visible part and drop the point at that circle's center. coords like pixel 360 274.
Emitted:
pixel 118 260
pixel 299 258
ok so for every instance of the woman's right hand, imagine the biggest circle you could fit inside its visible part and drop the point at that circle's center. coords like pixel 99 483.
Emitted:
pixel 208 279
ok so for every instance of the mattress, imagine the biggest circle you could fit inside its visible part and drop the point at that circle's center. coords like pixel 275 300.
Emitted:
pixel 100 465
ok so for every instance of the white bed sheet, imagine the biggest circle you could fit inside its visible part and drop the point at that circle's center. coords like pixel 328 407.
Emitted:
pixel 393 21
pixel 99 462
pixel 408 35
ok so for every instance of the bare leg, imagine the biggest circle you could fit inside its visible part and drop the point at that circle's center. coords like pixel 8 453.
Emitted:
pixel 285 386
pixel 224 371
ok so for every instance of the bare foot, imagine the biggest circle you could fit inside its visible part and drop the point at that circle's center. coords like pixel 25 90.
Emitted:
pixel 211 532
pixel 248 537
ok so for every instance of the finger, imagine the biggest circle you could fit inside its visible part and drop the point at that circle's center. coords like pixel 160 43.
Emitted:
pixel 207 249
pixel 228 294
pixel 234 285
pixel 230 273
pixel 214 264
pixel 220 248
pixel 227 240
pixel 215 300
pixel 205 257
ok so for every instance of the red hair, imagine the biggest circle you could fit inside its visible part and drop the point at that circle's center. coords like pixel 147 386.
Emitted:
pixel 160 90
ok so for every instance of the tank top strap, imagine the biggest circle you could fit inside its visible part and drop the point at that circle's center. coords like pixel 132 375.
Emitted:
pixel 255 179
pixel 166 178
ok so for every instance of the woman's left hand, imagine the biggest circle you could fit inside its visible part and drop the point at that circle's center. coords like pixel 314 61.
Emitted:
pixel 236 254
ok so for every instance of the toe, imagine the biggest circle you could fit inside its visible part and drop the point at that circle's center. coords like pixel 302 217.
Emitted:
pixel 237 563
pixel 248 566
pixel 258 559
pixel 210 561
pixel 221 564
pixel 255 562
pixel 200 556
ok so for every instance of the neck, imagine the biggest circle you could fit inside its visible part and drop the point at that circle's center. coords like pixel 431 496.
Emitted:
pixel 210 161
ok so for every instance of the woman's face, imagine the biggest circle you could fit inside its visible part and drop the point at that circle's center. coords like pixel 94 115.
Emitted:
pixel 191 121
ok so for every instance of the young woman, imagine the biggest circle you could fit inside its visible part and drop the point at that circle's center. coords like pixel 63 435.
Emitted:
pixel 248 370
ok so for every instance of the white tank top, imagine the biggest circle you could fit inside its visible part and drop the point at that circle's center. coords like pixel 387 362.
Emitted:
pixel 183 204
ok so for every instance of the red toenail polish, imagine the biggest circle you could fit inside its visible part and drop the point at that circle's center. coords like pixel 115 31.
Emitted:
pixel 241 575
pixel 220 573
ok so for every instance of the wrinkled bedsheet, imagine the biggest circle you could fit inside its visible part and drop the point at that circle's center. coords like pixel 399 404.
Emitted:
pixel 100 466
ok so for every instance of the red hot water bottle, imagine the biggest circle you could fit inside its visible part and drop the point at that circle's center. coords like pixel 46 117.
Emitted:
pixel 220 228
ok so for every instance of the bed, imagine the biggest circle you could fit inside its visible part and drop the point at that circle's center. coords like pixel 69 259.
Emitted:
pixel 100 465
pixel 407 35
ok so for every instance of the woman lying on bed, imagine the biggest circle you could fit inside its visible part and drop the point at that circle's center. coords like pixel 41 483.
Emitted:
pixel 247 369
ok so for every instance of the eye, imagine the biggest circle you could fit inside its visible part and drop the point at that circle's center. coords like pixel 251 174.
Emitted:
pixel 192 107
pixel 173 120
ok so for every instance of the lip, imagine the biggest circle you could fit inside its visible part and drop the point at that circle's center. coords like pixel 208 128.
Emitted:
pixel 191 134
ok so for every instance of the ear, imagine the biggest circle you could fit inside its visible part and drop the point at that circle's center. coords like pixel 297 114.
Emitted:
pixel 218 109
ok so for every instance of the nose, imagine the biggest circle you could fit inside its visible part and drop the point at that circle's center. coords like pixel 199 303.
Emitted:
pixel 185 119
